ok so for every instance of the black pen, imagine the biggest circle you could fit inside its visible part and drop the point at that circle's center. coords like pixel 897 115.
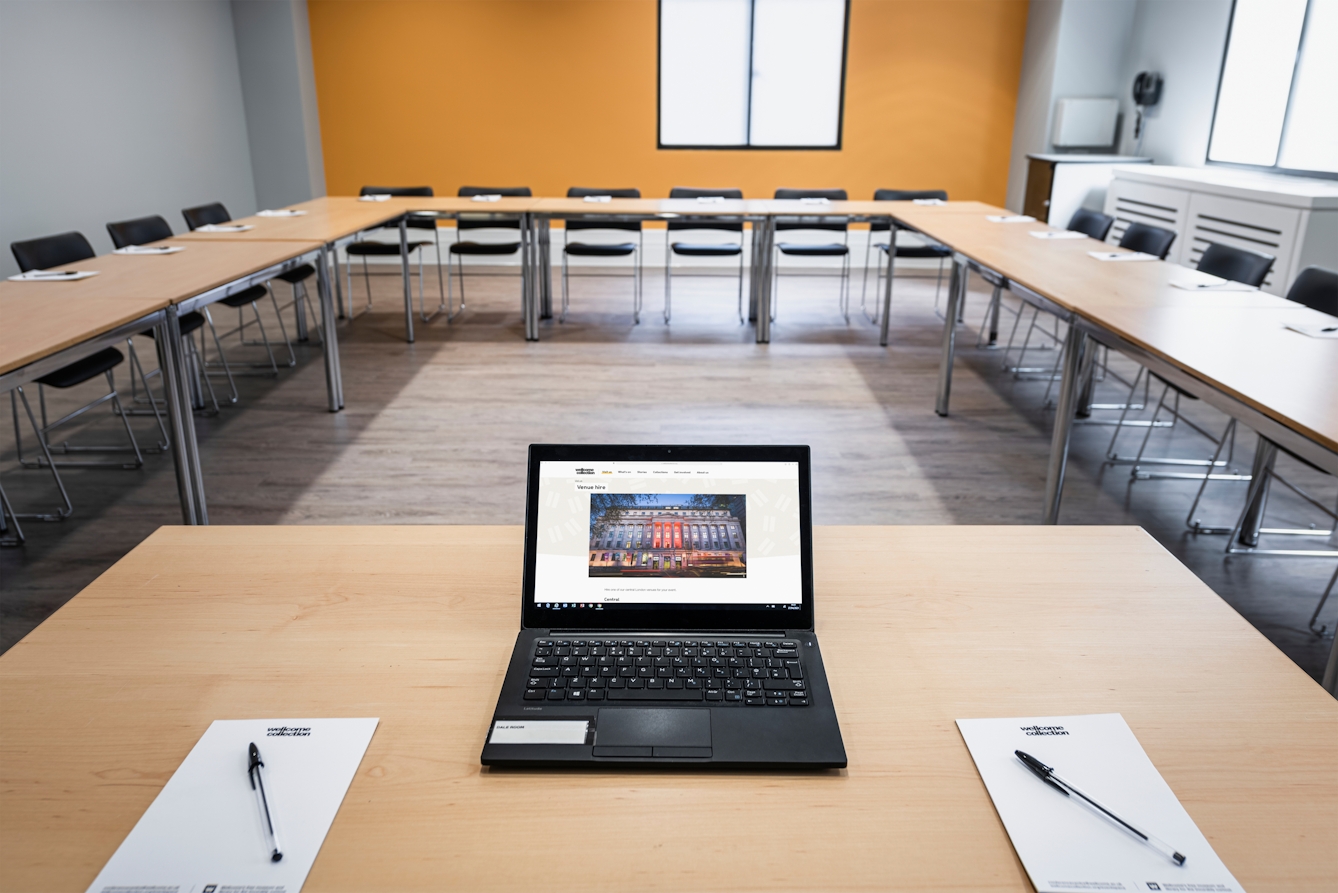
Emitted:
pixel 258 785
pixel 1047 775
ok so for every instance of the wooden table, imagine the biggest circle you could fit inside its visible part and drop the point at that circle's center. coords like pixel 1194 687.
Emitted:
pixel 920 626
pixel 48 325
pixel 1230 349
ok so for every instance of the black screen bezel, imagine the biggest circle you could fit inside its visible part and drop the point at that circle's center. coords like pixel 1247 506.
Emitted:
pixel 652 617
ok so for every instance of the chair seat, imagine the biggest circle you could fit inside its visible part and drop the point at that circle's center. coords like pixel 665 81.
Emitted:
pixel 594 249
pixel 244 297
pixel 799 249
pixel 706 249
pixel 81 371
pixel 297 274
pixel 484 247
pixel 934 251
pixel 189 322
pixel 382 249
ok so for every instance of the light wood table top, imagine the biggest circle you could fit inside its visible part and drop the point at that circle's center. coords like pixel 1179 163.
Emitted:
pixel 919 626
pixel 327 219
pixel 41 318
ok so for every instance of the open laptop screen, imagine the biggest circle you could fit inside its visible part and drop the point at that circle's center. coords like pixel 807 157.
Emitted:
pixel 691 534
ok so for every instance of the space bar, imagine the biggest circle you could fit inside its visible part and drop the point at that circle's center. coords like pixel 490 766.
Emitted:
pixel 654 694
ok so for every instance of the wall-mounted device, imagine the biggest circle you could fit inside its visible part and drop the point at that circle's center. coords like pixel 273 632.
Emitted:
pixel 1147 93
pixel 1085 123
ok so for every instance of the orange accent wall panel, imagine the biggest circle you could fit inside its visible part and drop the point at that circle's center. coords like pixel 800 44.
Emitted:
pixel 557 93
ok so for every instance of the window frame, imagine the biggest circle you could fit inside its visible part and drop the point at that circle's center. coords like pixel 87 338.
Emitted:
pixel 1286 118
pixel 749 147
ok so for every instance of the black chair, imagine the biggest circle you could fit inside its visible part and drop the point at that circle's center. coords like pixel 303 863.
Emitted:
pixel 462 248
pixel 1151 240
pixel 1235 264
pixel 603 249
pixel 1316 288
pixel 701 249
pixel 917 250
pixel 1091 223
pixel 365 248
pixel 212 215
pixel 814 249
pixel 42 254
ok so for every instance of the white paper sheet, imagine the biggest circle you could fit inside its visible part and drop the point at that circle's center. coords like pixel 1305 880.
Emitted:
pixel 1068 847
pixel 599 199
pixel 1056 234
pixel 282 212
pixel 204 828
pixel 147 250
pixel 1219 285
pixel 1011 218
pixel 224 228
pixel 1322 330
pixel 53 276
pixel 490 197
pixel 928 201
pixel 1122 255
pixel 382 197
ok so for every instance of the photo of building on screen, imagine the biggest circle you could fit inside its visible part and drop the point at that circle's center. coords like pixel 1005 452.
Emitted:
pixel 668 535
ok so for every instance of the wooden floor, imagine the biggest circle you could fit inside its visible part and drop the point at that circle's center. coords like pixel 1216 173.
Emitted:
pixel 435 433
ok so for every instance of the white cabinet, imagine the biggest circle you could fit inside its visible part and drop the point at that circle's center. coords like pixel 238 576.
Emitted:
pixel 1292 218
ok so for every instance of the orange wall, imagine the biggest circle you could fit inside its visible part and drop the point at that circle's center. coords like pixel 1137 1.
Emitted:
pixel 557 93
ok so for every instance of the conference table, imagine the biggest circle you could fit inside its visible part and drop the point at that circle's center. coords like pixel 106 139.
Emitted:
pixel 920 626
pixel 1231 349
pixel 51 324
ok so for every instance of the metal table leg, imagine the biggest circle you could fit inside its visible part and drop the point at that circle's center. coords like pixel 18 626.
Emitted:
pixel 181 421
pixel 529 292
pixel 1087 378
pixel 887 289
pixel 1265 455
pixel 996 301
pixel 765 243
pixel 300 317
pixel 1075 351
pixel 334 376
pixel 956 286
pixel 404 276
pixel 545 268
pixel 754 271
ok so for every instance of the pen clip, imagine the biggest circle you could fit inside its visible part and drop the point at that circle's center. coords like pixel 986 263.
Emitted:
pixel 254 754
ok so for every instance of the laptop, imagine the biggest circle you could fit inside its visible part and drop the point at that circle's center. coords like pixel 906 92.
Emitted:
pixel 667 613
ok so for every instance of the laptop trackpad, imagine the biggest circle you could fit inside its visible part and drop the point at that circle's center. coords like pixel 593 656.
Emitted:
pixel 653 732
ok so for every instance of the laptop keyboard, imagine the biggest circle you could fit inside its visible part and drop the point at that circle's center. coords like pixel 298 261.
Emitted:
pixel 721 672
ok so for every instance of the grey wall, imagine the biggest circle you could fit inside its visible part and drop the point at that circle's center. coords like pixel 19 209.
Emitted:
pixel 279 90
pixel 114 109
pixel 1185 41
pixel 1095 47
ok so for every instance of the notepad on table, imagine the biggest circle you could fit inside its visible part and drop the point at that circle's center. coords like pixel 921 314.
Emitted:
pixel 379 197
pixel 148 249
pixel 1009 218
pixel 1221 285
pixel 204 829
pixel 706 199
pixel 282 212
pixel 1056 234
pixel 928 201
pixel 1122 255
pixel 1316 330
pixel 53 275
pixel 224 228
pixel 491 197
pixel 1067 846
pixel 817 200
pixel 599 198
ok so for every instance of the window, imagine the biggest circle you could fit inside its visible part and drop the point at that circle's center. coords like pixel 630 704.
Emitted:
pixel 1277 102
pixel 737 74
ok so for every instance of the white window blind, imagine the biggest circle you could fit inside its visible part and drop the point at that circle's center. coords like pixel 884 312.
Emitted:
pixel 1277 103
pixel 751 73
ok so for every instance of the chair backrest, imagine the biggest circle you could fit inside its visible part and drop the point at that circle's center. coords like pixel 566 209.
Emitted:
pixel 1316 288
pixel 830 224
pixel 510 191
pixel 1092 223
pixel 397 190
pixel 204 215
pixel 140 231
pixel 724 224
pixel 1236 264
pixel 583 191
pixel 1148 239
pixel 902 195
pixel 51 251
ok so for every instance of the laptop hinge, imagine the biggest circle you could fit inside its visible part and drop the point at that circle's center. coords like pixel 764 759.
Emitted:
pixel 696 632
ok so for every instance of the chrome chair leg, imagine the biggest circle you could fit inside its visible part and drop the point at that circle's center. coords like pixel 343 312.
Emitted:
pixel 68 509
pixel 668 275
pixel 8 518
pixel 283 330
pixel 1313 617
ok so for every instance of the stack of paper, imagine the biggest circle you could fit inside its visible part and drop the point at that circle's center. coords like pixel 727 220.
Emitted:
pixel 1067 845
pixel 224 228
pixel 382 197
pixel 1057 234
pixel 928 201
pixel 53 275
pixel 205 830
pixel 1010 218
pixel 148 249
pixel 1122 255
pixel 487 198
pixel 283 212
